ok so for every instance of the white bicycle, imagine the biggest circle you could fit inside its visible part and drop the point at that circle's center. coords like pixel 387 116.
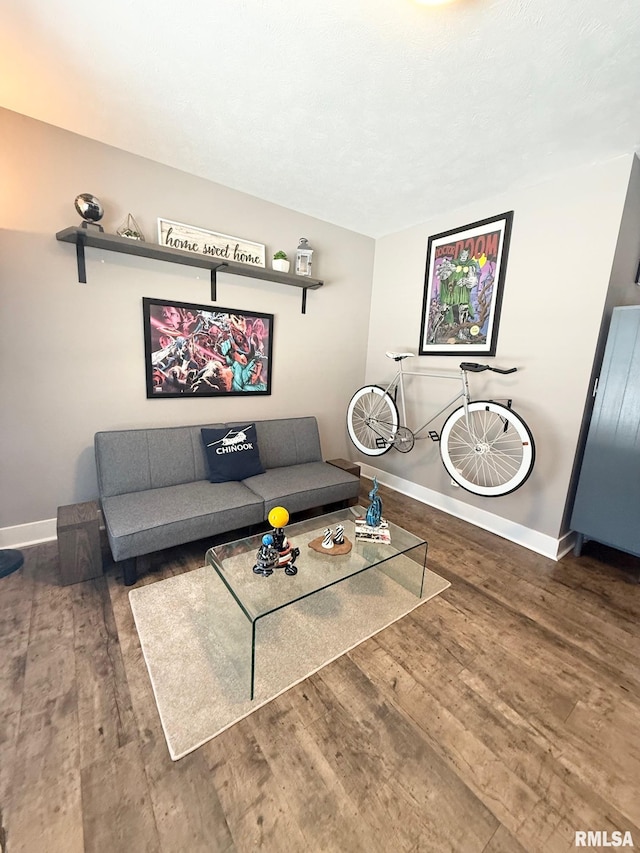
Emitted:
pixel 485 446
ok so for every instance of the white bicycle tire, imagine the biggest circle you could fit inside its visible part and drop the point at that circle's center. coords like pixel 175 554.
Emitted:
pixel 494 460
pixel 372 420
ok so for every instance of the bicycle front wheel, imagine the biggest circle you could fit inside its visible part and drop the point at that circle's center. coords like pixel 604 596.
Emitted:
pixel 491 452
pixel 372 420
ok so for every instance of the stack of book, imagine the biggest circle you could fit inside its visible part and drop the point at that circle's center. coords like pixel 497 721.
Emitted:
pixel 373 534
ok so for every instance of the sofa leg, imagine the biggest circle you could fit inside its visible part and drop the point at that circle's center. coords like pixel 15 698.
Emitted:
pixel 143 564
pixel 129 571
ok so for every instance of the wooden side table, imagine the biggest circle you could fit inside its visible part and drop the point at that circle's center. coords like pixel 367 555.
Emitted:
pixel 346 465
pixel 79 548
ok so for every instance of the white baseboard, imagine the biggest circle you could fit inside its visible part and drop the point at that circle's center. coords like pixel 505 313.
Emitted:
pixel 566 543
pixel 518 533
pixel 22 535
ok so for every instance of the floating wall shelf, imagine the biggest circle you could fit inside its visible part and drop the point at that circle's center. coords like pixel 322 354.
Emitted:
pixel 94 239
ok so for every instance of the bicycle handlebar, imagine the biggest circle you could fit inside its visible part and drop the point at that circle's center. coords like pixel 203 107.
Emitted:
pixel 472 367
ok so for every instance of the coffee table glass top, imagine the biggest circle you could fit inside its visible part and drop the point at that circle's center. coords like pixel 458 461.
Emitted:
pixel 257 595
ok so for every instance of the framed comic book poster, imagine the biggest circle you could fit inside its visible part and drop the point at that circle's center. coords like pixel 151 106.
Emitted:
pixel 463 287
pixel 205 351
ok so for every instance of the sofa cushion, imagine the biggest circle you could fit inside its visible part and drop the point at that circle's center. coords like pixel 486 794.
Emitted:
pixel 143 522
pixel 122 461
pixel 232 453
pixel 134 460
pixel 300 487
pixel 288 441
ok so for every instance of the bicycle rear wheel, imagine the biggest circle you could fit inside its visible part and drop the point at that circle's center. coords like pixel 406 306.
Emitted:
pixel 372 420
pixel 491 453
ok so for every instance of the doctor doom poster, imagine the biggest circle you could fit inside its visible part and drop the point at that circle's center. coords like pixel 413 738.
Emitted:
pixel 463 288
pixel 205 351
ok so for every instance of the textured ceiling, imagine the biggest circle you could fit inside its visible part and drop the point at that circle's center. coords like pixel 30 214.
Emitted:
pixel 372 114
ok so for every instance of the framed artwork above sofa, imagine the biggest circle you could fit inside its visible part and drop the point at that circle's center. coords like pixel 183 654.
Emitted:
pixel 200 351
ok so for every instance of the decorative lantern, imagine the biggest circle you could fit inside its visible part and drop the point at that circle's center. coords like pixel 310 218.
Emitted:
pixel 303 257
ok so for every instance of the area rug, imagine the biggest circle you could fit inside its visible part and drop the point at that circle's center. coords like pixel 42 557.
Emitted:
pixel 197 644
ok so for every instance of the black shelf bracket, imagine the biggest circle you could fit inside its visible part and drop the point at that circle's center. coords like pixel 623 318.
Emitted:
pixel 82 269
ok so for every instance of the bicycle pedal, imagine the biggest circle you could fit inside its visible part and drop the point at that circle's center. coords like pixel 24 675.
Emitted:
pixel 433 435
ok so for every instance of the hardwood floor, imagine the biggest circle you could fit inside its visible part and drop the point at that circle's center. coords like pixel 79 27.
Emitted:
pixel 501 716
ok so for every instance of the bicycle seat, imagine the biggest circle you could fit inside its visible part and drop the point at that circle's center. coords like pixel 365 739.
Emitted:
pixel 398 356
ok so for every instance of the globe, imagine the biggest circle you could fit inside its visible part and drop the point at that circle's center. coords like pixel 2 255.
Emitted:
pixel 89 207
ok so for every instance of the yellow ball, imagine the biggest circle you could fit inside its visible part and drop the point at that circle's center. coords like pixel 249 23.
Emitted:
pixel 278 517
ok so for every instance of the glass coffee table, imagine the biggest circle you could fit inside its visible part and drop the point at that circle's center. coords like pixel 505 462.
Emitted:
pixel 402 562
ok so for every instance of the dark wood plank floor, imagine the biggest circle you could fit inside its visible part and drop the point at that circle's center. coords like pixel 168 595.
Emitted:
pixel 502 716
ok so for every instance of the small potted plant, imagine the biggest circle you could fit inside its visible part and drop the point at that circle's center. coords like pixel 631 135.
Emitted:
pixel 280 262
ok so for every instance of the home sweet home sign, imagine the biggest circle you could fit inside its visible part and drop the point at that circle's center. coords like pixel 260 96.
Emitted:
pixel 188 238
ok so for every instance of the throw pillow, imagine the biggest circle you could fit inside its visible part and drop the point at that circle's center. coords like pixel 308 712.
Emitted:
pixel 232 453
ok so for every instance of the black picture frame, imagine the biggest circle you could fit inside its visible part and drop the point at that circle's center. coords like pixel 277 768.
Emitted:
pixel 205 351
pixel 464 283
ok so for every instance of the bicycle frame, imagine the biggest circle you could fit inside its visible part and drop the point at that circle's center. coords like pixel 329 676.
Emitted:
pixel 398 382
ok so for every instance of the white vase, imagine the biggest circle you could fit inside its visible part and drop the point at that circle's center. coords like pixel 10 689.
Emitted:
pixel 280 265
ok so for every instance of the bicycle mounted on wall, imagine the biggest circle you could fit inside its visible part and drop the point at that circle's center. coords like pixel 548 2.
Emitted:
pixel 485 446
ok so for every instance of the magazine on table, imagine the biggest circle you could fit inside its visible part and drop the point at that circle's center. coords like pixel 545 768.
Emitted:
pixel 373 534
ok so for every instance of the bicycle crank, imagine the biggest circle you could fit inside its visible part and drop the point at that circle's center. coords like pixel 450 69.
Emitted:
pixel 404 439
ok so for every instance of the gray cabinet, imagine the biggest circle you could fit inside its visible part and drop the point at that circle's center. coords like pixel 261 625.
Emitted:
pixel 607 503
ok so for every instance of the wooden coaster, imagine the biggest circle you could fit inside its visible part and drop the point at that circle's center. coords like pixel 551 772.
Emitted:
pixel 336 551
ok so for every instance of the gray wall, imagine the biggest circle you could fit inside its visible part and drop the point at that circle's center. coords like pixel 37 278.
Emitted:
pixel 563 245
pixel 73 354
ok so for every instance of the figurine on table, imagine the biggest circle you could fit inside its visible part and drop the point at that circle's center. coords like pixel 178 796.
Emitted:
pixel 374 513
pixel 267 557
pixel 276 552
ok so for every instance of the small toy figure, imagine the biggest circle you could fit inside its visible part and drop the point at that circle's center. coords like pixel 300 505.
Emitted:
pixel 267 557
pixel 327 542
pixel 374 513
pixel 287 554
pixel 333 544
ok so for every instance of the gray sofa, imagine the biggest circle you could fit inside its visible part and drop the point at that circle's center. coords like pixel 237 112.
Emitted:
pixel 155 493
